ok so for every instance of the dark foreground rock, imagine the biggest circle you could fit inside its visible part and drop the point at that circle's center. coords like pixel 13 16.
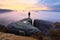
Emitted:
pixel 2 28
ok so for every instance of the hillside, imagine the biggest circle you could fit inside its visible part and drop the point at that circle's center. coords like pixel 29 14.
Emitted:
pixel 6 36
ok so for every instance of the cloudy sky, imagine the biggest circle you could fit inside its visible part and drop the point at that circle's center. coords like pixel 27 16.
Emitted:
pixel 30 4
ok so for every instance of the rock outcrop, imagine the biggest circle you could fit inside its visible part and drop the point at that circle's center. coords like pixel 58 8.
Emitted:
pixel 43 25
pixel 23 27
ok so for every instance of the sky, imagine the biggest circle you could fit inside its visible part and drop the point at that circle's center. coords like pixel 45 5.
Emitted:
pixel 30 4
pixel 46 10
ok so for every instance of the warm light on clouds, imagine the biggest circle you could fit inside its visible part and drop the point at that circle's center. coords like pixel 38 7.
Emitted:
pixel 21 5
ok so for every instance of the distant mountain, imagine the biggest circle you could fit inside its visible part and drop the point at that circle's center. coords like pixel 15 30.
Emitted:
pixel 51 10
pixel 5 10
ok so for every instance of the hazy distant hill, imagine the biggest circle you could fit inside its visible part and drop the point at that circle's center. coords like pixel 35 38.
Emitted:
pixel 5 10
pixel 51 10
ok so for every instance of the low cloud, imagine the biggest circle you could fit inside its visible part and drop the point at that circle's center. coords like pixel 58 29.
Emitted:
pixel 55 7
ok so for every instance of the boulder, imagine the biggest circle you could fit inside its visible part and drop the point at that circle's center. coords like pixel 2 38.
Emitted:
pixel 43 25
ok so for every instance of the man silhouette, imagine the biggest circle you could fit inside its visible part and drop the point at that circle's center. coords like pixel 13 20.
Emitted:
pixel 29 15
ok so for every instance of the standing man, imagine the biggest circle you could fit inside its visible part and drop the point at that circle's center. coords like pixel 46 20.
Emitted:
pixel 30 20
pixel 29 15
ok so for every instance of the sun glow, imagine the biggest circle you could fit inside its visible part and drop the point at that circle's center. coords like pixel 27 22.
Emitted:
pixel 21 5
